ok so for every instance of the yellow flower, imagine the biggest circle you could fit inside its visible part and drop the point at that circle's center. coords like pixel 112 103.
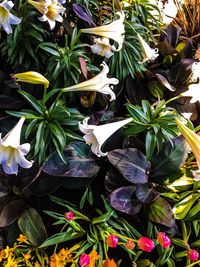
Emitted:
pixel 113 30
pixel 192 139
pixel 8 252
pixel 32 77
pixel 12 153
pixel 97 135
pixel 11 262
pixel 99 83
pixel 37 264
pixel 148 53
pixel 51 10
pixel 22 238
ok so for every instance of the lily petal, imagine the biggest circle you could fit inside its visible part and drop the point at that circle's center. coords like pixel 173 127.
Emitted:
pixel 100 83
pixel 97 135
pixel 114 30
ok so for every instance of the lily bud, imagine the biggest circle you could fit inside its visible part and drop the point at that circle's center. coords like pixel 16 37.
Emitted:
pixel 32 77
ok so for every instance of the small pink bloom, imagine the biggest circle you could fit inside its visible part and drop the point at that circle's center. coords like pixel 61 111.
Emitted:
pixel 163 240
pixel 69 215
pixel 112 241
pixel 146 244
pixel 84 260
pixel 193 255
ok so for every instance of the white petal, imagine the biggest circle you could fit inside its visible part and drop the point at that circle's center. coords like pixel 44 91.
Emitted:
pixel 8 5
pixel 14 20
pixel 7 27
pixel 8 161
pixel 24 149
pixel 52 23
pixel 10 169
pixel 13 137
pixel 24 163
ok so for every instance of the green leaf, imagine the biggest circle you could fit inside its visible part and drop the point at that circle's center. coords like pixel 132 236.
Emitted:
pixel 34 103
pixel 103 218
pixel 170 157
pixel 31 225
pixel 181 209
pixel 150 143
pixel 61 237
pixel 160 212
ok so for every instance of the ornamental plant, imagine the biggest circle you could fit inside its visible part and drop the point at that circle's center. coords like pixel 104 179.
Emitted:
pixel 99 145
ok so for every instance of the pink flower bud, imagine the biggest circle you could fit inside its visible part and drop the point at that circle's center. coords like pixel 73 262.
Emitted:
pixel 146 244
pixel 84 260
pixel 193 255
pixel 69 215
pixel 163 240
pixel 112 241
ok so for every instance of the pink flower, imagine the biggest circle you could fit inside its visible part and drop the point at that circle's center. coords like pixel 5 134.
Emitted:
pixel 146 244
pixel 69 215
pixel 112 241
pixel 193 255
pixel 163 240
pixel 84 260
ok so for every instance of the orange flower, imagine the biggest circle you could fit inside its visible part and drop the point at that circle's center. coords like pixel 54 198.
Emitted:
pixel 130 244
pixel 22 238
pixel 93 258
pixel 26 256
pixel 109 263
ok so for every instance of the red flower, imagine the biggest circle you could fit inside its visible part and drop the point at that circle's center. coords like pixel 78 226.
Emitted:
pixel 69 215
pixel 112 241
pixel 193 255
pixel 163 240
pixel 146 244
pixel 84 260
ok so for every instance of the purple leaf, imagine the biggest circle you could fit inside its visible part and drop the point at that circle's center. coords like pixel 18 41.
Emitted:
pixel 122 199
pixel 83 14
pixel 131 163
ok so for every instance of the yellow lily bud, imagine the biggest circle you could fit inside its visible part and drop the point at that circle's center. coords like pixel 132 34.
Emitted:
pixel 32 77
pixel 192 139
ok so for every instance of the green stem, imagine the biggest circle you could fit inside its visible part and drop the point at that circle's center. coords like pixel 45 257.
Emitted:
pixel 60 232
pixel 192 264
pixel 125 237
pixel 44 96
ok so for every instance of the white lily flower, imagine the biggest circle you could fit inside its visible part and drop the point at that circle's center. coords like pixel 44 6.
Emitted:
pixel 99 83
pixel 6 18
pixel 102 47
pixel 51 10
pixel 168 9
pixel 194 84
pixel 12 153
pixel 148 53
pixel 194 92
pixel 97 135
pixel 113 30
